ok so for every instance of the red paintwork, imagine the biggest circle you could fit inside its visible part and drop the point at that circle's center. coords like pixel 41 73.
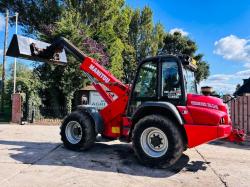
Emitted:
pixel 199 134
pixel 112 83
pixel 112 114
pixel 185 114
pixel 202 114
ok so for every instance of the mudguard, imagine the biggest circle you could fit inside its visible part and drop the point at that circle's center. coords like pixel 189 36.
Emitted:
pixel 94 114
pixel 153 106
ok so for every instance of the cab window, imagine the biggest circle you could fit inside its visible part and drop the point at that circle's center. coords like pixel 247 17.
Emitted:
pixel 146 81
pixel 189 80
pixel 171 87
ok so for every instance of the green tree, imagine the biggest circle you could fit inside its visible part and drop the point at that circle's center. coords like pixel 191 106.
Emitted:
pixel 144 39
pixel 237 87
pixel 116 50
pixel 107 21
pixel 65 81
pixel 177 44
pixel 33 15
pixel 202 71
pixel 125 60
pixel 28 81
pixel 1 70
pixel 60 80
pixel 122 23
pixel 104 29
pixel 158 38
pixel 129 63
pixel 134 32
pixel 146 31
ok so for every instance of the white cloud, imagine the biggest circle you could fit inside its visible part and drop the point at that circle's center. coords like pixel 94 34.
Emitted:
pixel 243 74
pixel 220 87
pixel 1 52
pixel 2 23
pixel 184 33
pixel 222 83
pixel 247 65
pixel 219 77
pixel 233 48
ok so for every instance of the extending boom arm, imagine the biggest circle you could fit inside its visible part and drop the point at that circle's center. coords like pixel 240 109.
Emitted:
pixel 114 113
pixel 93 70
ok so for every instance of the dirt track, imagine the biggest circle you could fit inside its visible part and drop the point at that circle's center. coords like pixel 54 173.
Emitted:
pixel 34 156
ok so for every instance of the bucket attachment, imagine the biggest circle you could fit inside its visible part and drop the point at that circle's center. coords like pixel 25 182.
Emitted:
pixel 30 49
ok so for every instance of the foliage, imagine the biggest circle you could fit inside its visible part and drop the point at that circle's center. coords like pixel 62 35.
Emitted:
pixel 116 58
pixel 237 87
pixel 1 70
pixel 202 71
pixel 116 35
pixel 144 39
pixel 33 14
pixel 146 30
pixel 66 80
pixel 28 81
pixel 177 44
pixel 158 39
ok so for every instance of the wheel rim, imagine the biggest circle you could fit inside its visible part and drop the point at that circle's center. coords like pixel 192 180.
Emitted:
pixel 154 142
pixel 73 132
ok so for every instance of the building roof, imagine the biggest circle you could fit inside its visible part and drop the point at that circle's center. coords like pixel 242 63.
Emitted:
pixel 89 88
pixel 245 88
pixel 92 88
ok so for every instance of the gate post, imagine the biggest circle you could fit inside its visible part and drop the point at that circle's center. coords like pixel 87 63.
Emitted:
pixel 16 108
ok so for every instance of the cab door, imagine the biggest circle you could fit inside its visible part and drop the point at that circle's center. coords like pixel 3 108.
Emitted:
pixel 171 88
pixel 145 87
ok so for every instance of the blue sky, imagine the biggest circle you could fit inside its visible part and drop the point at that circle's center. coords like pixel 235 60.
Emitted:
pixel 221 29
pixel 11 31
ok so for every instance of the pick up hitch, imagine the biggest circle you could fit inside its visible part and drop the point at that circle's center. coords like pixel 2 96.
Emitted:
pixel 237 135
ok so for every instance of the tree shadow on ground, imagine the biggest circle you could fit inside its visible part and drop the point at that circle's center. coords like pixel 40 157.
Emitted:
pixel 244 145
pixel 117 158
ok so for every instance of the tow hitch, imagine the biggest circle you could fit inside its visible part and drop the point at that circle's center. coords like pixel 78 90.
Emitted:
pixel 237 135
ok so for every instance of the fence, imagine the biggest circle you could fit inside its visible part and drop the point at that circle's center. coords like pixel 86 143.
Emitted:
pixel 240 112
pixel 46 115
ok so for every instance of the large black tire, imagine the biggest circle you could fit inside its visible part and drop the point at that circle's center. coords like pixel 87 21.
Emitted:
pixel 175 141
pixel 88 135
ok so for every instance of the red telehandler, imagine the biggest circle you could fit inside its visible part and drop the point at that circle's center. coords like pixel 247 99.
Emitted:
pixel 161 112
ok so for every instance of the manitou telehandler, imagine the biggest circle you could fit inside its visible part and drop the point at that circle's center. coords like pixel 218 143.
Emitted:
pixel 161 112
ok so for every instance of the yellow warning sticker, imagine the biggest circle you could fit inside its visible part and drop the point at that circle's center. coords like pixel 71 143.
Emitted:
pixel 115 129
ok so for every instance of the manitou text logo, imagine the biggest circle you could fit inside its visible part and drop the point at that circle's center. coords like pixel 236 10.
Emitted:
pixel 99 73
pixel 208 105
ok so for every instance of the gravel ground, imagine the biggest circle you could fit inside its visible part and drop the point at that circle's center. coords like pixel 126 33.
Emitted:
pixel 33 155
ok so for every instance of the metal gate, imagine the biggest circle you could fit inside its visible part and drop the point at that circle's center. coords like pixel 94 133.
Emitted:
pixel 240 112
pixel 46 115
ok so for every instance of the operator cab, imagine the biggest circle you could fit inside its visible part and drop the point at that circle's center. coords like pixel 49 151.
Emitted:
pixel 163 78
